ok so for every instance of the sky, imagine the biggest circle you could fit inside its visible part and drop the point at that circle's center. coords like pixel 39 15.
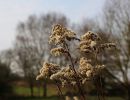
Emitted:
pixel 14 11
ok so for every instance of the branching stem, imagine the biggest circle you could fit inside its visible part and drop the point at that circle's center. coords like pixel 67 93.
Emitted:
pixel 73 68
pixel 59 89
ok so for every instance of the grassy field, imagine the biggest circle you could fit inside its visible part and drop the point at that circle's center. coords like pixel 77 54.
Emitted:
pixel 25 91
pixel 36 98
pixel 24 94
pixel 57 98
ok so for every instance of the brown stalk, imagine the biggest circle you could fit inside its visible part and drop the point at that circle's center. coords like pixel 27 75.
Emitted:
pixel 102 89
pixel 98 94
pixel 59 89
pixel 99 82
pixel 78 83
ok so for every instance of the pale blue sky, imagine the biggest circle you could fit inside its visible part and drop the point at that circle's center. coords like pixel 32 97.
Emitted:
pixel 14 11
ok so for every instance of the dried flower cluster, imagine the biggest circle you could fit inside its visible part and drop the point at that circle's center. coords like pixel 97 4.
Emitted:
pixel 58 51
pixel 90 43
pixel 66 76
pixel 86 70
pixel 60 33
pixel 47 70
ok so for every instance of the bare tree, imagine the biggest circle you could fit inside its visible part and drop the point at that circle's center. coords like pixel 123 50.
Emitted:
pixel 116 21
pixel 31 44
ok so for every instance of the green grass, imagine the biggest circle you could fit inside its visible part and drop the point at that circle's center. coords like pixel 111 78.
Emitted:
pixel 51 91
pixel 36 98
pixel 25 91
pixel 56 98
pixel 106 98
pixel 52 98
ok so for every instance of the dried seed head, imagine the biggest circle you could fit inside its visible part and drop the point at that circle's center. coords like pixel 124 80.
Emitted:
pixel 88 46
pixel 57 35
pixel 60 34
pixel 104 46
pixel 98 69
pixel 90 36
pixel 84 61
pixel 86 49
pixel 93 44
pixel 56 39
pixel 69 34
pixel 58 51
pixel 75 98
pixel 86 70
pixel 89 73
pixel 83 80
pixel 87 43
pixel 58 29
pixel 84 66
pixel 66 75
pixel 47 70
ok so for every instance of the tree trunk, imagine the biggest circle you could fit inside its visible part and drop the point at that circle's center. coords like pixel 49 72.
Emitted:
pixel 39 89
pixel 128 96
pixel 31 89
pixel 44 89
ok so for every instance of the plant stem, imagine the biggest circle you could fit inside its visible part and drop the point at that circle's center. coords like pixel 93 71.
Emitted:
pixel 101 88
pixel 98 81
pixel 77 81
pixel 59 90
